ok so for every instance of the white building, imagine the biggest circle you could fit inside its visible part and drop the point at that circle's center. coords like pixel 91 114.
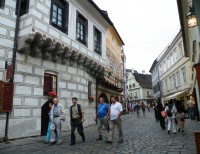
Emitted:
pixel 175 71
pixel 139 85
pixel 62 48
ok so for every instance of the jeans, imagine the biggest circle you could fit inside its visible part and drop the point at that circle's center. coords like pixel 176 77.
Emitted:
pixel 191 110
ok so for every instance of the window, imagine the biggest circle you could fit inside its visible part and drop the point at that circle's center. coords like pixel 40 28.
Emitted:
pixel 50 83
pixel 59 15
pixel 97 41
pixel 89 88
pixel 2 4
pixel 147 93
pixel 170 82
pixel 81 29
pixel 134 85
pixel 184 75
pixel 23 8
pixel 166 84
pixel 130 86
pixel 135 94
pixel 178 78
pixel 113 41
pixel 174 80
pixel 181 50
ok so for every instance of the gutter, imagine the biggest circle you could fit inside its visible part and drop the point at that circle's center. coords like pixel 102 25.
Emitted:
pixel 5 139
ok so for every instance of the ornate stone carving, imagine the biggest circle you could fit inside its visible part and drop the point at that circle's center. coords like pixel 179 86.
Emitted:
pixel 81 58
pixel 73 58
pixel 36 46
pixel 86 61
pixel 66 55
pixel 57 52
pixel 47 49
pixel 24 44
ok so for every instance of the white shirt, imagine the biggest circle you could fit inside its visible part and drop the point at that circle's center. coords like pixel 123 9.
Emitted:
pixel 115 109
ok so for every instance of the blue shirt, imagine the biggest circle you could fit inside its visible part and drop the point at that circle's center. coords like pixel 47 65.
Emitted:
pixel 55 111
pixel 102 110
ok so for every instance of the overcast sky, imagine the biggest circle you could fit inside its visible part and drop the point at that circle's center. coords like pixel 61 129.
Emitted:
pixel 145 26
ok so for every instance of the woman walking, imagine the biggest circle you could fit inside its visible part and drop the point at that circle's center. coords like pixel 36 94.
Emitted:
pixel 160 108
pixel 180 116
pixel 171 112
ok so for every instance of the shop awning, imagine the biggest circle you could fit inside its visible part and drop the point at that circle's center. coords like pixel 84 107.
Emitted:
pixel 175 94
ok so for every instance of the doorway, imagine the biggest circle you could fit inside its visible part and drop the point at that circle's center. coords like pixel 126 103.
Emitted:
pixel 44 118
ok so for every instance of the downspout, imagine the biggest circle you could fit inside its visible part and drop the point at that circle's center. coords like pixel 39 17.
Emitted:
pixel 5 139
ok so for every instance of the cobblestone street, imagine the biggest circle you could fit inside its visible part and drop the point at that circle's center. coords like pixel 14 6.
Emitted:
pixel 141 135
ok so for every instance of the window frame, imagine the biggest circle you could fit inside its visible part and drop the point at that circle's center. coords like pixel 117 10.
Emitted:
pixel 84 22
pixel 22 12
pixel 64 6
pixel 51 75
pixel 2 4
pixel 99 43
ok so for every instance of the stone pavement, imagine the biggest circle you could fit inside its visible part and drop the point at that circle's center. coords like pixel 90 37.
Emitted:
pixel 142 135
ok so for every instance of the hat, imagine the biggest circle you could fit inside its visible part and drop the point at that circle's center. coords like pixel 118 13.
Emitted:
pixel 52 93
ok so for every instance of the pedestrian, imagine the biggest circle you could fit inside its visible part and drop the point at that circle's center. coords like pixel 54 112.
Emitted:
pixel 171 111
pixel 138 109
pixel 76 120
pixel 115 119
pixel 47 137
pixel 160 108
pixel 148 106
pixel 132 107
pixel 143 108
pixel 103 111
pixel 180 115
pixel 191 107
pixel 57 117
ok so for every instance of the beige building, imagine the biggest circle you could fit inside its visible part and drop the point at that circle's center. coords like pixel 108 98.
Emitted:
pixel 191 40
pixel 175 71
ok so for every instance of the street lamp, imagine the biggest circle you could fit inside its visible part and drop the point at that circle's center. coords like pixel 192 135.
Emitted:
pixel 191 17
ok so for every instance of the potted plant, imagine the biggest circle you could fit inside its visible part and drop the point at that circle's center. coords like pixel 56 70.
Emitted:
pixel 90 98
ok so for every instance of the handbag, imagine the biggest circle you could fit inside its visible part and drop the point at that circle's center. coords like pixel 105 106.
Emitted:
pixel 164 114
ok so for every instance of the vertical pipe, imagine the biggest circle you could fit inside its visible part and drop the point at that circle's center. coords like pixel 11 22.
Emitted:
pixel 5 139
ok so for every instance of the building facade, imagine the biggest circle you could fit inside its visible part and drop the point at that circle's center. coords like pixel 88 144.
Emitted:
pixel 113 79
pixel 175 72
pixel 139 86
pixel 155 80
pixel 61 46
pixel 191 41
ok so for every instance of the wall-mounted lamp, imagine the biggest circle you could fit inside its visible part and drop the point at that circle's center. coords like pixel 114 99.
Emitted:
pixel 191 17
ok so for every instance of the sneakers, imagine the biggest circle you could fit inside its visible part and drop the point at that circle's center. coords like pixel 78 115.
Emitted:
pixel 59 143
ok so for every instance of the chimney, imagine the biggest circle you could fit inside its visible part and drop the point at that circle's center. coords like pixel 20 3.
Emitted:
pixel 132 70
pixel 143 71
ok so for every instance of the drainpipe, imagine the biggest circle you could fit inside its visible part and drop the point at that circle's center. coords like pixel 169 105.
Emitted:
pixel 5 139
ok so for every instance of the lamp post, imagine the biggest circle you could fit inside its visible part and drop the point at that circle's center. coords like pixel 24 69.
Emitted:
pixel 191 17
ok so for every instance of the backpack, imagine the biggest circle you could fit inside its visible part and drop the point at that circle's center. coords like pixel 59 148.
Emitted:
pixel 169 112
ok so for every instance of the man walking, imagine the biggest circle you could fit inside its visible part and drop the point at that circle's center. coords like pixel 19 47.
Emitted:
pixel 115 119
pixel 103 112
pixel 57 116
pixel 191 107
pixel 77 119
